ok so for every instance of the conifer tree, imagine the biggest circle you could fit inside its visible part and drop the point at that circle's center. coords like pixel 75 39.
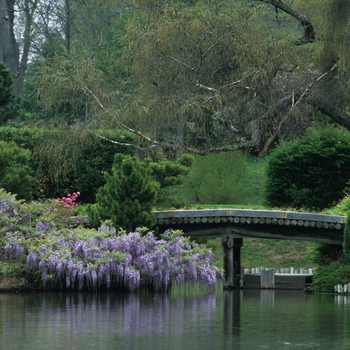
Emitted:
pixel 128 196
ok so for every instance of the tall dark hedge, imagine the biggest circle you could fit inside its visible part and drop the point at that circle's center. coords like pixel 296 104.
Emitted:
pixel 95 157
pixel 310 172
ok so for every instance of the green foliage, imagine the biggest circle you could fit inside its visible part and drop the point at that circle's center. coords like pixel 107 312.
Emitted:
pixel 343 207
pixel 64 160
pixel 224 178
pixel 68 105
pixel 346 242
pixel 7 98
pixel 127 198
pixel 169 175
pixel 326 277
pixel 170 73
pixel 322 254
pixel 183 71
pixel 78 162
pixel 310 172
pixel 15 172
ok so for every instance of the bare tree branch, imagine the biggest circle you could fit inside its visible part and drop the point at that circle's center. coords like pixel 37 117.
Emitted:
pixel 176 60
pixel 122 125
pixel 126 144
pixel 241 145
pixel 293 106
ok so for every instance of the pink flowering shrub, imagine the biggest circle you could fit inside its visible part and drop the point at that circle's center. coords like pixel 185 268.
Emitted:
pixel 61 211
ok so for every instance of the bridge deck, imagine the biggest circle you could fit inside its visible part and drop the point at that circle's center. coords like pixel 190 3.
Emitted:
pixel 241 223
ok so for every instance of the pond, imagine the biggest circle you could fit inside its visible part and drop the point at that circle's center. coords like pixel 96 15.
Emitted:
pixel 245 319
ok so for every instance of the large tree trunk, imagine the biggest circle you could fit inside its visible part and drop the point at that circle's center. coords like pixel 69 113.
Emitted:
pixel 8 49
pixel 29 9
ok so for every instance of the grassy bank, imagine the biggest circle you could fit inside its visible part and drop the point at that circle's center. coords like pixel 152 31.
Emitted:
pixel 268 253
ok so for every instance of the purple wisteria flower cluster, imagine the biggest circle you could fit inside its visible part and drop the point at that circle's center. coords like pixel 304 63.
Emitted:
pixel 10 213
pixel 127 260
pixel 14 246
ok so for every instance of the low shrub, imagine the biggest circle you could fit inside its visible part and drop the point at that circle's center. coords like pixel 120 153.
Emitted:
pixel 326 277
pixel 15 172
pixel 224 178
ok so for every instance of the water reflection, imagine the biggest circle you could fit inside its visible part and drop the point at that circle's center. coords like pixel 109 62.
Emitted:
pixel 243 319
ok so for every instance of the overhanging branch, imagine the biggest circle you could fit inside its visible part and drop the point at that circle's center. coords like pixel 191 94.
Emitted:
pixel 337 115
pixel 309 32
pixel 153 143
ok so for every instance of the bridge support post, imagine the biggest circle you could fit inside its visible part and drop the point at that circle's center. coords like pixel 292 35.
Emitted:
pixel 232 262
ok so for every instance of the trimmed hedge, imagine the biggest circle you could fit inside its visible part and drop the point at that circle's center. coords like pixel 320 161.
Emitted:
pixel 88 158
pixel 310 172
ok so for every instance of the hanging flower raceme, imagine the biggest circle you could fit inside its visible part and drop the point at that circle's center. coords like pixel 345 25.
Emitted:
pixel 130 260
pixel 82 258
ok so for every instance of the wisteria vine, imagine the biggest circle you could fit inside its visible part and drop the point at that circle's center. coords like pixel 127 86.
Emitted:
pixel 88 259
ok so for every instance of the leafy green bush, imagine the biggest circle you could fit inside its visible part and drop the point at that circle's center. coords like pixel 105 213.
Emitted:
pixel 127 198
pixel 322 254
pixel 326 277
pixel 169 176
pixel 346 242
pixel 342 207
pixel 224 178
pixel 310 172
pixel 15 172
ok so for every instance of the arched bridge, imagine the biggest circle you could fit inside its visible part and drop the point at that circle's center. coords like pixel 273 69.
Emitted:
pixel 232 225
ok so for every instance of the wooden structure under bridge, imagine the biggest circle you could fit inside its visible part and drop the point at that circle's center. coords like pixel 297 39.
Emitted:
pixel 232 225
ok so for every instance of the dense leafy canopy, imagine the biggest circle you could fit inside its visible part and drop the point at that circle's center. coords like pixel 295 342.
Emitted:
pixel 195 76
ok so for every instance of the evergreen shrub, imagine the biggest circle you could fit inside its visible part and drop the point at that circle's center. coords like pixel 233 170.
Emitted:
pixel 127 198
pixel 326 277
pixel 170 175
pixel 15 172
pixel 310 172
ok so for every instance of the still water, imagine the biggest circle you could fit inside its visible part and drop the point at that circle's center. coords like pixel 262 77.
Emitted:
pixel 244 320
